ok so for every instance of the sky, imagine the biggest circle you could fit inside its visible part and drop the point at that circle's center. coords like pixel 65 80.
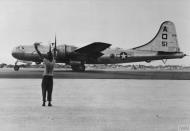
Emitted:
pixel 122 23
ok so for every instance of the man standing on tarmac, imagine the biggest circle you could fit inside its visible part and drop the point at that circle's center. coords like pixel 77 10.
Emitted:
pixel 47 81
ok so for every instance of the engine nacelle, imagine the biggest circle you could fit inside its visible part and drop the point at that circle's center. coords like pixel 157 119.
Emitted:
pixel 148 61
pixel 37 63
pixel 64 50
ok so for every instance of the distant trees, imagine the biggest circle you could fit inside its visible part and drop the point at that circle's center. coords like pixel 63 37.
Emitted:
pixel 104 66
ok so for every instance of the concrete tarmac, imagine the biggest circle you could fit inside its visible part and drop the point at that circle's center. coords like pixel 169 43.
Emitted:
pixel 96 105
pixel 98 74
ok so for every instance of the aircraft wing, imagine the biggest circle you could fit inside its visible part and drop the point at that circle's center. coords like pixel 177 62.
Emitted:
pixel 94 49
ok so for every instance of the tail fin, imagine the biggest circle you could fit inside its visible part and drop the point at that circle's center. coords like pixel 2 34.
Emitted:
pixel 164 41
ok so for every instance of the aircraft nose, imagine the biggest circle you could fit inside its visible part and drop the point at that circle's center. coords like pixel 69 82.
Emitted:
pixel 15 52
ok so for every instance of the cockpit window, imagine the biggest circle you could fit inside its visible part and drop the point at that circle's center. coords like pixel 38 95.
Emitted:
pixel 20 47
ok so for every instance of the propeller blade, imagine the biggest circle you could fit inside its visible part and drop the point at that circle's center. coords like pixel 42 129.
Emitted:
pixel 55 42
pixel 49 47
pixel 55 46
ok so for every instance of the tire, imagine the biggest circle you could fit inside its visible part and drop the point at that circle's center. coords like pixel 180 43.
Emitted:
pixel 78 68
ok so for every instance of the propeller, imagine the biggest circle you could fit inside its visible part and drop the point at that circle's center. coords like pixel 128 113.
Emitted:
pixel 50 48
pixel 55 47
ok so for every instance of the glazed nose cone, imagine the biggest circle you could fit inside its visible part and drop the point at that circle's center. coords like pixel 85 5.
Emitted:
pixel 15 53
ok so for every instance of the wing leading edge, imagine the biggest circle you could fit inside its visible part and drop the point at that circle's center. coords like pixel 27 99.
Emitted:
pixel 94 49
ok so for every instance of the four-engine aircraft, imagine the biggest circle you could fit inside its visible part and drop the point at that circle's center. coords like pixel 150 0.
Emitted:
pixel 162 47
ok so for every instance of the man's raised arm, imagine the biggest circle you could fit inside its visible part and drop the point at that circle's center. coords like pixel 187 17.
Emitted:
pixel 39 53
pixel 54 51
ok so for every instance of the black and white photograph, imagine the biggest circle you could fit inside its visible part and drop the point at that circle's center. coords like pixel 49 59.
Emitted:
pixel 95 65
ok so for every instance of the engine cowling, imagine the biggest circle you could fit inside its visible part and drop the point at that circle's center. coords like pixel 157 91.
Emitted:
pixel 37 63
pixel 148 61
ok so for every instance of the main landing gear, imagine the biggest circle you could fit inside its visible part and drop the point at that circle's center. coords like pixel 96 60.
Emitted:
pixel 78 68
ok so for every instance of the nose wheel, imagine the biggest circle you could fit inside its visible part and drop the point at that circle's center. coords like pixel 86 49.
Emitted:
pixel 16 67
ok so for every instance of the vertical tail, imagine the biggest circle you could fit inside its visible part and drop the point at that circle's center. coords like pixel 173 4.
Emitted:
pixel 164 41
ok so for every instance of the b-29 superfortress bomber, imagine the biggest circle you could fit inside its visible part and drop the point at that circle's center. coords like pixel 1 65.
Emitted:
pixel 162 47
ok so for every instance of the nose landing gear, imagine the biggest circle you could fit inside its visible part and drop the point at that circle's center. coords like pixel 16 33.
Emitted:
pixel 16 67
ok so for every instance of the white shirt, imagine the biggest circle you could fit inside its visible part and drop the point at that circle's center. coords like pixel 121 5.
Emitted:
pixel 49 67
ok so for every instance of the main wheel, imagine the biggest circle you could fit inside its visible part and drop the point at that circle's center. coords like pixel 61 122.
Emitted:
pixel 78 68
pixel 81 68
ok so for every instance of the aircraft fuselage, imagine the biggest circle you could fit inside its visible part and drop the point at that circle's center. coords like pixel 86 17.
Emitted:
pixel 65 54
pixel 163 46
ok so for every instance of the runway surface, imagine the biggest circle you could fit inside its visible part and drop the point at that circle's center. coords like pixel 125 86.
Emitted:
pixel 98 74
pixel 96 105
